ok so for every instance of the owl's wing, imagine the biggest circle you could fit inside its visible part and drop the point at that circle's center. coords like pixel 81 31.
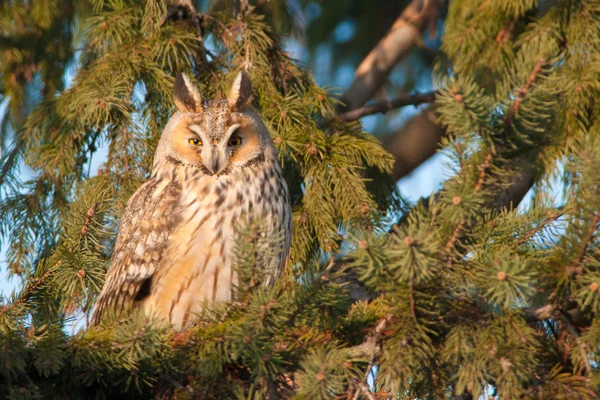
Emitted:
pixel 144 233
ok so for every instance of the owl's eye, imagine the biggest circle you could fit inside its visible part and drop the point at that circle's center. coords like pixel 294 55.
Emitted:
pixel 195 142
pixel 235 141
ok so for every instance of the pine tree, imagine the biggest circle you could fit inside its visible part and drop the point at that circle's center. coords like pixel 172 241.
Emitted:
pixel 458 296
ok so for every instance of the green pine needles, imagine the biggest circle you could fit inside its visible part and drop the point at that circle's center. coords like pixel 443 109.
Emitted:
pixel 465 296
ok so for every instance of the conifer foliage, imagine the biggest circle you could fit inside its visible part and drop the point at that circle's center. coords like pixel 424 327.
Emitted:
pixel 465 295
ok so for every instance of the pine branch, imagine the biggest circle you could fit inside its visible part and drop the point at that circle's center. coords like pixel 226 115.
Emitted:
pixel 457 200
pixel 503 36
pixel 482 171
pixel 33 286
pixel 184 10
pixel 551 218
pixel 387 105
pixel 10 162
pixel 585 350
pixel 454 238
pixel 587 238
pixel 521 93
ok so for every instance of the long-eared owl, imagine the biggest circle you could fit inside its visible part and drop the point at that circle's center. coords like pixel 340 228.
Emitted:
pixel 215 169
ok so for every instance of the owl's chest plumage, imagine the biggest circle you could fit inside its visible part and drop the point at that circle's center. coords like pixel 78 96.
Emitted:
pixel 198 263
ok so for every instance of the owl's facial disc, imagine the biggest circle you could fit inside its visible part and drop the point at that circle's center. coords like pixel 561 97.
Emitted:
pixel 218 148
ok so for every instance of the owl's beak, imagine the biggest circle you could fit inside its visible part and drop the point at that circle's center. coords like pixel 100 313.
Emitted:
pixel 214 161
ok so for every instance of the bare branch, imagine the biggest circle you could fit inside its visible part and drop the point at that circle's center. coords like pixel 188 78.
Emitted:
pixel 371 348
pixel 372 73
pixel 364 389
pixel 386 105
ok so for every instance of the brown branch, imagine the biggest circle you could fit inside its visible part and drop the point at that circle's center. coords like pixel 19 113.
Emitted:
pixel 482 170
pixel 411 294
pixel 362 387
pixel 372 73
pixel 384 106
pixel 418 140
pixel 522 179
pixel 415 142
pixel 454 238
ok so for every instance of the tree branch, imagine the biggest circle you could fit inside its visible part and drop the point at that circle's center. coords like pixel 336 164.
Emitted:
pixel 522 180
pixel 415 142
pixel 372 73
pixel 370 348
pixel 384 106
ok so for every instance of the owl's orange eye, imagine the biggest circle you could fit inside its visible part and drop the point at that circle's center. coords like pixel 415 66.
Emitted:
pixel 195 142
pixel 235 141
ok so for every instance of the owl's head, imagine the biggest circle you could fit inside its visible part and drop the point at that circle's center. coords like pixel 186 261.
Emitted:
pixel 215 136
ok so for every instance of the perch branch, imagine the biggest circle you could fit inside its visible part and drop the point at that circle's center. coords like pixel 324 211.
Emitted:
pixel 384 106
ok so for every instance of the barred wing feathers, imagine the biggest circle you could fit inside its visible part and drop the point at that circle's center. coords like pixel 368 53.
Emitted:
pixel 145 231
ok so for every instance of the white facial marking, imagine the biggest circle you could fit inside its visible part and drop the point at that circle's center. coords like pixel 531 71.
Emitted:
pixel 230 131
pixel 196 129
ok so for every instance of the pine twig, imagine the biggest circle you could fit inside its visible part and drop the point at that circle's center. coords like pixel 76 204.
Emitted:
pixel 384 106
pixel 575 267
pixel 412 300
pixel 32 287
pixel 588 236
pixel 90 213
pixel 482 170
pixel 478 186
pixel 502 37
pixel 582 346
pixel 551 218
pixel 453 239
pixel 521 93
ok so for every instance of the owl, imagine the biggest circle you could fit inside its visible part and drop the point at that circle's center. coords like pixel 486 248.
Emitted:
pixel 215 170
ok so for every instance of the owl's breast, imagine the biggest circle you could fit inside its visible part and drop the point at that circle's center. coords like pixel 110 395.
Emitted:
pixel 198 264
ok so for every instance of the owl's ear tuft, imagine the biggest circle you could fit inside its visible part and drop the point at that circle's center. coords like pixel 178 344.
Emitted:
pixel 187 95
pixel 240 94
